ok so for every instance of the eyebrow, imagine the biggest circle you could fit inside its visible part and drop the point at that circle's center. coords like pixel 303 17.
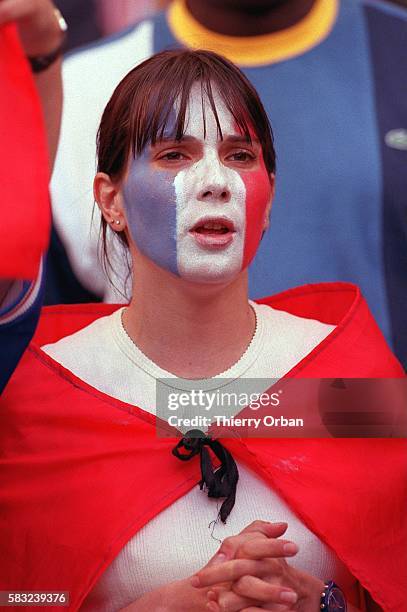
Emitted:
pixel 232 138
pixel 237 138
pixel 184 138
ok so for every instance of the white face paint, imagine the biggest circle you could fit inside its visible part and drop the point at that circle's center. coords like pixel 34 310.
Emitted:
pixel 209 191
pixel 187 202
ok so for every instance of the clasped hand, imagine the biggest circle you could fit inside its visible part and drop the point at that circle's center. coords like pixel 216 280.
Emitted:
pixel 250 573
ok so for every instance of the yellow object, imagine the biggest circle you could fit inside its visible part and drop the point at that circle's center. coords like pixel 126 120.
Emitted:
pixel 255 50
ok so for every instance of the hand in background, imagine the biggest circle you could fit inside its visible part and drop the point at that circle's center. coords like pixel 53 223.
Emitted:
pixel 36 22
pixel 40 34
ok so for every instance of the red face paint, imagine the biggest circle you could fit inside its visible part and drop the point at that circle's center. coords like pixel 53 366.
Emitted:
pixel 258 195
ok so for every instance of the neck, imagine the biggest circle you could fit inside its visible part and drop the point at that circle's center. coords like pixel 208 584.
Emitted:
pixel 193 332
pixel 243 19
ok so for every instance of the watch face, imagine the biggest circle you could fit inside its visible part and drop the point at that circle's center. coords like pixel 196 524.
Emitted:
pixel 336 601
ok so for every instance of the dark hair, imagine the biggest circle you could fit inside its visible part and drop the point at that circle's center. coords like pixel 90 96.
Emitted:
pixel 141 106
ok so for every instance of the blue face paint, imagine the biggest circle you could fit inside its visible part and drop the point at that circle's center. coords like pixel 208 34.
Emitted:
pixel 150 201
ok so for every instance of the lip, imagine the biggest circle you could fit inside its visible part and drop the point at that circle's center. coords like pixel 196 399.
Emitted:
pixel 214 241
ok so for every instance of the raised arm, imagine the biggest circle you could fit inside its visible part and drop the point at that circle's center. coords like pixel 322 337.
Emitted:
pixel 41 37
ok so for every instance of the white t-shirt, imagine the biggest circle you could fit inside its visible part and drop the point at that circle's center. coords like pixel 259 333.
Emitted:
pixel 183 537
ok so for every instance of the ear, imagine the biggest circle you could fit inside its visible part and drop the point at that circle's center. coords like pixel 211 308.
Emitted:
pixel 109 199
pixel 268 209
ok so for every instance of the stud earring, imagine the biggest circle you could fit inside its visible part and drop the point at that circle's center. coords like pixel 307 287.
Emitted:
pixel 117 221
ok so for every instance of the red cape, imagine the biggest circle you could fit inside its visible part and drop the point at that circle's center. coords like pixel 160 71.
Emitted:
pixel 24 171
pixel 83 472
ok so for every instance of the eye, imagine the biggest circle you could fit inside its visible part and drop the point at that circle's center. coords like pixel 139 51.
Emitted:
pixel 172 156
pixel 241 156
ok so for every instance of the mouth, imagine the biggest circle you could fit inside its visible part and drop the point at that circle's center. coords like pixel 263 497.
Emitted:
pixel 213 232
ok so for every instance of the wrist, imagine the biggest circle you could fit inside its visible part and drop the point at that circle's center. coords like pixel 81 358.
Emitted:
pixel 41 61
pixel 332 598
pixel 315 595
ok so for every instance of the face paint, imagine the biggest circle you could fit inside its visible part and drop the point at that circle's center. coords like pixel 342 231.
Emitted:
pixel 258 195
pixel 151 210
pixel 201 219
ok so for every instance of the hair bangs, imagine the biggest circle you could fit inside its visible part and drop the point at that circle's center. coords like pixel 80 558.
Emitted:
pixel 160 107
pixel 151 103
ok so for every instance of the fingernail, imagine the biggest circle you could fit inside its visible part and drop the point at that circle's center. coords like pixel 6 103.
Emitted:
pixel 195 582
pixel 290 548
pixel 288 596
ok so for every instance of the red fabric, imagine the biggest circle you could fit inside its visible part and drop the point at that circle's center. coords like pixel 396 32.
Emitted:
pixel 25 216
pixel 83 472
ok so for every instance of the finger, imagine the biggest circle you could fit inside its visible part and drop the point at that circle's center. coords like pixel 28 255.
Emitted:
pixel 230 571
pixel 257 529
pixel 259 590
pixel 228 601
pixel 271 530
pixel 260 548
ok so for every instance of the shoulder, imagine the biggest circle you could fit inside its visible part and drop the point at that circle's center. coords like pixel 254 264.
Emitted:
pixel 91 73
pixel 288 337
pixel 52 370
pixel 88 349
pixel 296 327
pixel 90 76
pixel 356 347
pixel 113 56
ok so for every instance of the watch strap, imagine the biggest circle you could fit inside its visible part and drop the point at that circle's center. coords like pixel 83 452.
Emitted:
pixel 329 588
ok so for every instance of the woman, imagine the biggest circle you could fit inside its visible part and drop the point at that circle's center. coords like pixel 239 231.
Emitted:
pixel 94 502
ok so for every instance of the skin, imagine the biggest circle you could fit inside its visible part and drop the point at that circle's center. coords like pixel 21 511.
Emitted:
pixel 207 298
pixel 182 596
pixel 167 192
pixel 247 18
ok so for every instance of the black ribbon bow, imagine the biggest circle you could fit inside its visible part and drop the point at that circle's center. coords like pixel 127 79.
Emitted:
pixel 221 482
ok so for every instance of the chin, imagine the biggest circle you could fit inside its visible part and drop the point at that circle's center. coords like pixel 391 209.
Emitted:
pixel 209 274
pixel 210 267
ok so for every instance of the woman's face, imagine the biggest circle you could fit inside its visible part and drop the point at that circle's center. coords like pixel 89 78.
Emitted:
pixel 198 207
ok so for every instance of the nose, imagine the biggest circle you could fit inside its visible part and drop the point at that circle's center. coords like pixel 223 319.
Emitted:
pixel 214 192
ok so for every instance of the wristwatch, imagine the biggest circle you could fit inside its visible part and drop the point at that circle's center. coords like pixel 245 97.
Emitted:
pixel 42 62
pixel 332 598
